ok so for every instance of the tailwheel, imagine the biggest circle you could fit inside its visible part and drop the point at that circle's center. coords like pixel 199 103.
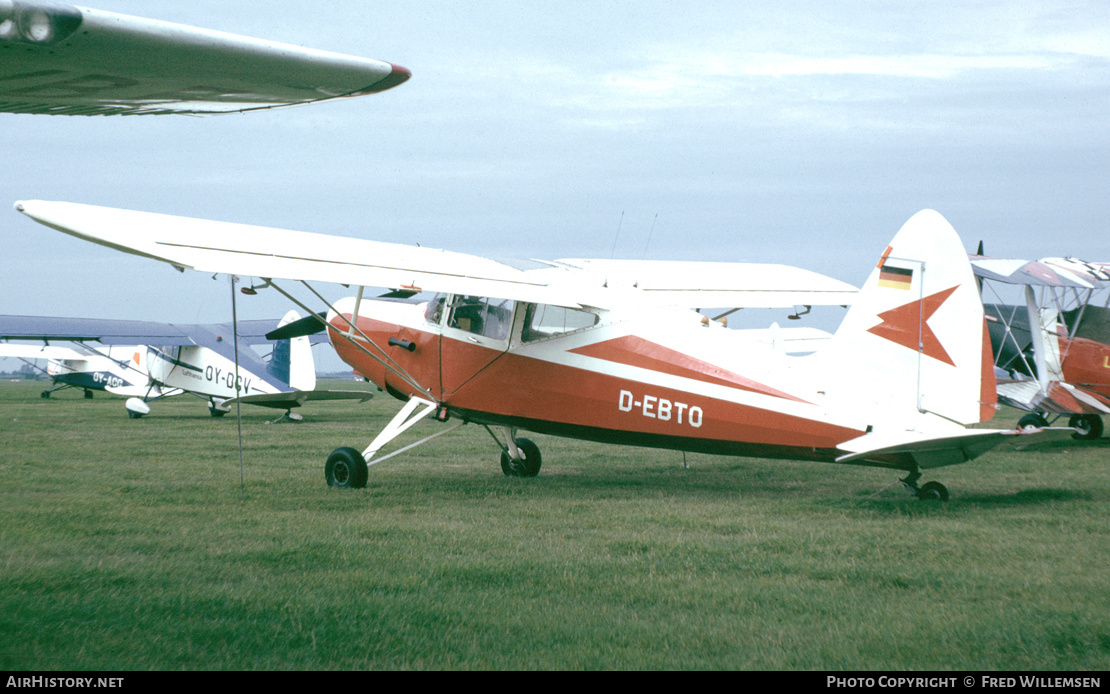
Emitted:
pixel 1032 421
pixel 930 491
pixel 88 395
pixel 346 469
pixel 1088 427
pixel 933 491
pixel 527 465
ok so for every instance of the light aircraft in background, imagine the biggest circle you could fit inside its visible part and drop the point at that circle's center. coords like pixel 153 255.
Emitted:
pixel 1060 366
pixel 195 359
pixel 115 368
pixel 65 60
pixel 613 351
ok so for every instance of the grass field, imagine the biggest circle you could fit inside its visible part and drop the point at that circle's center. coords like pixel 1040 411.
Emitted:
pixel 131 545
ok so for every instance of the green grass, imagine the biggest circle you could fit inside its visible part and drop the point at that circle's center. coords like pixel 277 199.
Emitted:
pixel 129 544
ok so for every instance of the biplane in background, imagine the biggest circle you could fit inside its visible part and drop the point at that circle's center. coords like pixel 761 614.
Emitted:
pixel 1049 322
pixel 66 60
pixel 149 361
pixel 613 351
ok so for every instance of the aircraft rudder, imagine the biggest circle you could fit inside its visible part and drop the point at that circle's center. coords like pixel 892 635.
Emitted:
pixel 916 333
pixel 292 360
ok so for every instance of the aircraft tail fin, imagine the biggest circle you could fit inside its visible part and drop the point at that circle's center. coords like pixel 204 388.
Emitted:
pixel 292 361
pixel 916 339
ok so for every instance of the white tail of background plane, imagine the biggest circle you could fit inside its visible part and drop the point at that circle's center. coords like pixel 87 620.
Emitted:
pixel 915 340
pixel 292 360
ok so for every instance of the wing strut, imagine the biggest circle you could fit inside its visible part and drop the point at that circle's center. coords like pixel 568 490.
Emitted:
pixel 381 357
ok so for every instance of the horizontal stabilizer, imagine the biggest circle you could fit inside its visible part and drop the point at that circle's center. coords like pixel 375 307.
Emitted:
pixel 146 393
pixel 309 325
pixel 909 448
pixel 297 398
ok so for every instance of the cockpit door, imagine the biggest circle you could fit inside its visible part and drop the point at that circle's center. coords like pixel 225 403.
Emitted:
pixel 475 333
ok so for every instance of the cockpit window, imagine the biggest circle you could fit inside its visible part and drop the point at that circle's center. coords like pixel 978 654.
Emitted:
pixel 434 313
pixel 490 318
pixel 543 321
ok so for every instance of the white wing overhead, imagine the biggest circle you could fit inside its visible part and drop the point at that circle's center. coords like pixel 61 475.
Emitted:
pixel 241 249
pixel 61 59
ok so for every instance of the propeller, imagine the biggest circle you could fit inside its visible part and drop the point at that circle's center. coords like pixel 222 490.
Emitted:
pixel 309 325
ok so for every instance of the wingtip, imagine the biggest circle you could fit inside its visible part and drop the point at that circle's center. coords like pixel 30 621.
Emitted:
pixel 398 75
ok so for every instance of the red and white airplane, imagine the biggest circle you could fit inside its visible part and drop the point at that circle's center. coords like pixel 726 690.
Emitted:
pixel 614 351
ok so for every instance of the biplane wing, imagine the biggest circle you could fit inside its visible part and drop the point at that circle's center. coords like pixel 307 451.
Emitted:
pixel 1047 272
pixel 223 247
pixel 1051 336
pixel 65 60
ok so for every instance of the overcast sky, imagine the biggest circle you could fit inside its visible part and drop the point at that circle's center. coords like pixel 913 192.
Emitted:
pixel 797 132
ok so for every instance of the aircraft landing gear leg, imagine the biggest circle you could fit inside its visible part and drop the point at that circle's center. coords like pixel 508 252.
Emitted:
pixel 348 467
pixel 519 457
pixel 930 491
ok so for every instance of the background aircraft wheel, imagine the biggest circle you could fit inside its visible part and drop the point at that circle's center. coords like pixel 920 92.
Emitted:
pixel 346 469
pixel 933 491
pixel 1032 421
pixel 45 394
pixel 88 395
pixel 134 415
pixel 1088 427
pixel 529 463
pixel 215 411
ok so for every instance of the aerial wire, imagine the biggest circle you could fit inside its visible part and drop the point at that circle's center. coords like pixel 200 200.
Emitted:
pixel 613 253
pixel 650 232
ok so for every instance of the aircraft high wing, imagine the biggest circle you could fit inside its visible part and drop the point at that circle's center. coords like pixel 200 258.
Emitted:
pixel 148 361
pixel 66 60
pixel 613 352
pixel 115 368
pixel 1049 322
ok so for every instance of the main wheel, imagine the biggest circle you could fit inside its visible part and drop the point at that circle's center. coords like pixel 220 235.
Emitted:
pixel 933 491
pixel 529 463
pixel 215 411
pixel 1088 427
pixel 346 469
pixel 1032 421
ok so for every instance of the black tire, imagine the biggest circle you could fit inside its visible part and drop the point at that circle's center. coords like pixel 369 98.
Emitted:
pixel 529 463
pixel 215 411
pixel 1088 426
pixel 933 491
pixel 88 395
pixel 133 415
pixel 346 469
pixel 1032 421
pixel 45 395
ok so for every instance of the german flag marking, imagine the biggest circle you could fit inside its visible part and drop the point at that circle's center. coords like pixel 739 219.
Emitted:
pixel 895 277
